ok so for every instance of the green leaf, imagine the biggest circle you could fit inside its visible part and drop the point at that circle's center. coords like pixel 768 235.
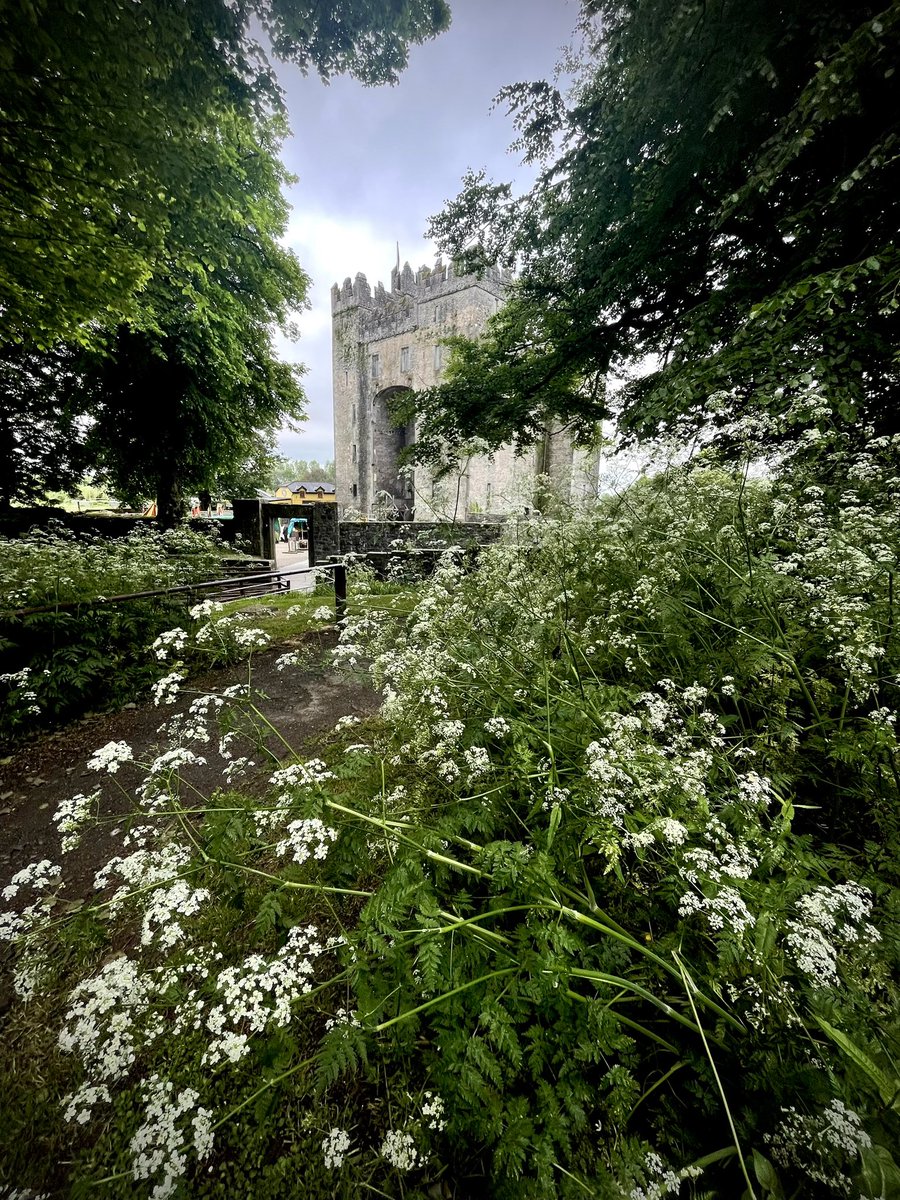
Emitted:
pixel 888 1088
pixel 879 1177
pixel 766 1175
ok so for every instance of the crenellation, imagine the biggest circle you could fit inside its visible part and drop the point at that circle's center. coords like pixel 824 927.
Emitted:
pixel 387 342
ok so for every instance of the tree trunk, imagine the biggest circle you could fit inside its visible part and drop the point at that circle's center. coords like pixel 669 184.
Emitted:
pixel 169 500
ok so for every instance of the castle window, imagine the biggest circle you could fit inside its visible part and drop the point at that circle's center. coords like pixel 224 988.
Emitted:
pixel 376 366
pixel 353 417
pixel 354 490
pixel 346 378
pixel 487 498
pixel 353 455
pixel 438 357
pixel 404 358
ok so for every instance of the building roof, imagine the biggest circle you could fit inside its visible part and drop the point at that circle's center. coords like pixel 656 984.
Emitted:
pixel 326 486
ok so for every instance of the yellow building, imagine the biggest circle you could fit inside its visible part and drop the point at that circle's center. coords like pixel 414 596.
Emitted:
pixel 298 492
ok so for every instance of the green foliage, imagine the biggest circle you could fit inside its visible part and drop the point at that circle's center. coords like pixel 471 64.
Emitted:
pixel 717 200
pixel 605 901
pixel 110 129
pixel 58 664
pixel 142 270
pixel 286 470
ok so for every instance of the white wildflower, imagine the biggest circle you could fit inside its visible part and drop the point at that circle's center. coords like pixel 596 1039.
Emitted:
pixel 478 761
pixel 71 815
pixel 400 1150
pixel 433 1111
pixel 37 875
pixel 497 727
pixel 335 1148
pixel 306 839
pixel 159 1147
pixel 110 757
pixel 165 690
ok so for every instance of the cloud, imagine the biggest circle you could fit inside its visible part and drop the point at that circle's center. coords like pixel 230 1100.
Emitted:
pixel 329 249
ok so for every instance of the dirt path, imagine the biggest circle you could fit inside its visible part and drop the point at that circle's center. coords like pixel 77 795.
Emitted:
pixel 300 703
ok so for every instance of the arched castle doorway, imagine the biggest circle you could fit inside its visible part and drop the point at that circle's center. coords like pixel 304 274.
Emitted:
pixel 390 490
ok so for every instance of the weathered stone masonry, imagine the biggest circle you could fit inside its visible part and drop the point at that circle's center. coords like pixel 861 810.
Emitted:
pixel 386 342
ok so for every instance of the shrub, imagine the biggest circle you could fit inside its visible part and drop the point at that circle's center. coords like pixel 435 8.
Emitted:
pixel 59 663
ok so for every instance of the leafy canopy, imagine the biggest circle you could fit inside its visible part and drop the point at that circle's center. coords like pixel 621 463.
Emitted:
pixel 103 107
pixel 717 200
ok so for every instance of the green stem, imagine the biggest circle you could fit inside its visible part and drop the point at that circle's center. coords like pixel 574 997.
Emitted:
pixel 440 999
pixel 289 883
pixel 639 990
pixel 689 987
pixel 270 1083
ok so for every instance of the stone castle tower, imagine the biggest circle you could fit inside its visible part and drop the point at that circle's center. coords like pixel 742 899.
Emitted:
pixel 388 342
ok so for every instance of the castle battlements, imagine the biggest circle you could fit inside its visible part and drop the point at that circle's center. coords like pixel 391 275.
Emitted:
pixel 425 284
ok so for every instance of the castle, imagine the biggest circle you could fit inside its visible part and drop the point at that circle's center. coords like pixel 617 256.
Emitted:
pixel 388 342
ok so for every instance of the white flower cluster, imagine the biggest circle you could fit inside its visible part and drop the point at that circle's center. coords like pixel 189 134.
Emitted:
pixel 250 639
pixel 71 815
pixel 299 777
pixel 306 839
pixel 444 736
pixel 16 678
pixel 172 641
pixel 399 1149
pixel 661 1179
pixel 667 830
pixel 343 1016
pixel 164 910
pixel 109 757
pixel 346 723
pixel 206 608
pixel 723 858
pixel 725 910
pixel 165 690
pixel 100 1027
pixel 433 1111
pixel 497 727
pixel 158 1148
pixel 145 868
pixel 826 1148
pixel 79 1105
pixel 755 792
pixel 324 613
pixel 829 919
pixel 335 1148
pixel 161 780
pixel 283 661
pixel 259 993
pixel 478 762
pixel 37 875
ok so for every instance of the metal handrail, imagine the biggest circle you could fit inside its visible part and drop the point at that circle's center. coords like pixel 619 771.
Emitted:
pixel 340 573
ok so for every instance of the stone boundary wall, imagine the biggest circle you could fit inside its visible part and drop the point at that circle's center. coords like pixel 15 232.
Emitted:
pixel 358 537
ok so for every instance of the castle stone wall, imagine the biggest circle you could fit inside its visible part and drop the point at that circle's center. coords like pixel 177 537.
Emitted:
pixel 388 341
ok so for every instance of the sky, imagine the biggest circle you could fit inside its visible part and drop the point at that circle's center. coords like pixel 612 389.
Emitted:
pixel 373 164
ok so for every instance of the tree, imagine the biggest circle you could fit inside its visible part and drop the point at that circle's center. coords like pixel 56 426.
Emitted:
pixel 285 470
pixel 718 201
pixel 176 405
pixel 172 415
pixel 173 400
pixel 41 437
pixel 102 105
